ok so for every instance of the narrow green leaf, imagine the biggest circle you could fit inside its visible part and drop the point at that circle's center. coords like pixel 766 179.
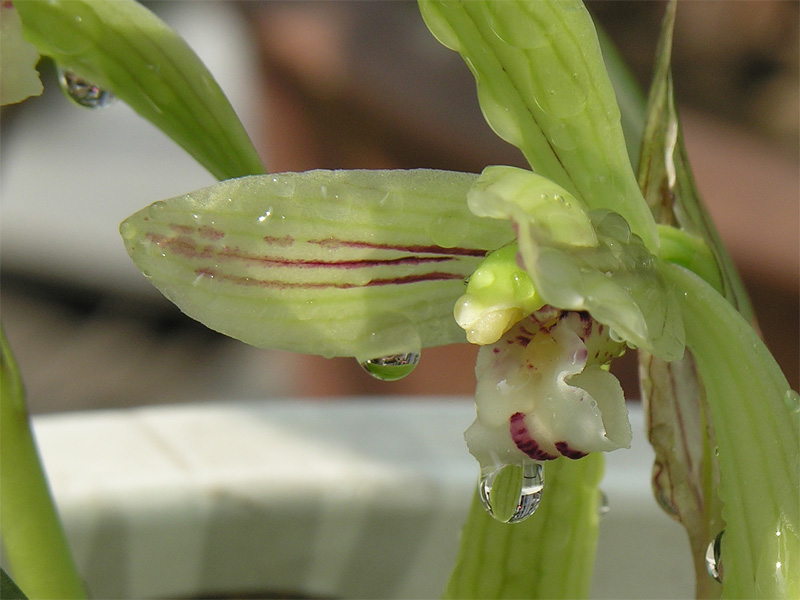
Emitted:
pixel 543 87
pixel 665 175
pixel 756 419
pixel 335 263
pixel 121 46
pixel 35 546
pixel 549 555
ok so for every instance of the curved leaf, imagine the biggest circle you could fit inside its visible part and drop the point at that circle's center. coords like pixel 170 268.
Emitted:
pixel 756 420
pixel 666 178
pixel 121 46
pixel 543 87
pixel 336 263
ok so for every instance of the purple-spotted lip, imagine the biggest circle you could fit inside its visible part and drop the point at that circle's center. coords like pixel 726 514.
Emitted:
pixel 524 441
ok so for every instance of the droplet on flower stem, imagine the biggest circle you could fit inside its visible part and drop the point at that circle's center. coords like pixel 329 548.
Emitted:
pixel 602 503
pixel 528 497
pixel 82 92
pixel 713 557
pixel 391 368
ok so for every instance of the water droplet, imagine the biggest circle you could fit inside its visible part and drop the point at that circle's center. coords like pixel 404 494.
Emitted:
pixel 713 558
pixel 530 487
pixel 558 92
pixel 283 186
pixel 561 136
pixel 602 504
pixel 792 400
pixel 127 230
pixel 156 209
pixel 267 214
pixel 391 368
pixel 392 200
pixel 500 118
pixel 82 92
pixel 448 230
pixel 504 21
pixel 391 346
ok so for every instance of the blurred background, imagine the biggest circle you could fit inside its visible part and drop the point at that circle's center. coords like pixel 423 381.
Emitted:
pixel 353 85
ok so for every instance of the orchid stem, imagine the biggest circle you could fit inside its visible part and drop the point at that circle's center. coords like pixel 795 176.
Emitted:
pixel 34 541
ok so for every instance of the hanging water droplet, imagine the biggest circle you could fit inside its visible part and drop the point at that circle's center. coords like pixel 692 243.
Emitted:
pixel 528 497
pixel 391 368
pixel 602 504
pixel 713 558
pixel 82 92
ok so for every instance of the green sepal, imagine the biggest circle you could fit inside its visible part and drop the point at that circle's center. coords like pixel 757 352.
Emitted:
pixel 334 263
pixel 550 555
pixel 121 46
pixel 543 87
pixel 756 419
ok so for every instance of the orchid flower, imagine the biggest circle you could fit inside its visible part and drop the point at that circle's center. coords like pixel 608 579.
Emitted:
pixel 553 271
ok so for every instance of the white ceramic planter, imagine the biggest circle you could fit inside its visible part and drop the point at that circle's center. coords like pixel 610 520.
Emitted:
pixel 348 499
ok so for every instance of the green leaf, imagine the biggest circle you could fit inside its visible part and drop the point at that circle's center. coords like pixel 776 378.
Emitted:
pixel 543 87
pixel 121 46
pixel 629 95
pixel 756 419
pixel 35 546
pixel 335 263
pixel 549 555
pixel 666 179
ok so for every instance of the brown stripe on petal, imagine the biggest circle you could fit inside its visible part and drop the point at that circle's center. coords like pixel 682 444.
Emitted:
pixel 418 249
pixel 181 246
pixel 204 230
pixel 282 241
pixel 280 284
pixel 275 261
pixel 184 229
pixel 210 232
pixel 187 247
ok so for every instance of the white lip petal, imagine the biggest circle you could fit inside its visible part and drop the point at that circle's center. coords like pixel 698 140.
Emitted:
pixel 542 392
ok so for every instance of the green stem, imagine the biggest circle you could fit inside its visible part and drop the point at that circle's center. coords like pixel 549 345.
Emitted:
pixel 550 555
pixel 34 541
